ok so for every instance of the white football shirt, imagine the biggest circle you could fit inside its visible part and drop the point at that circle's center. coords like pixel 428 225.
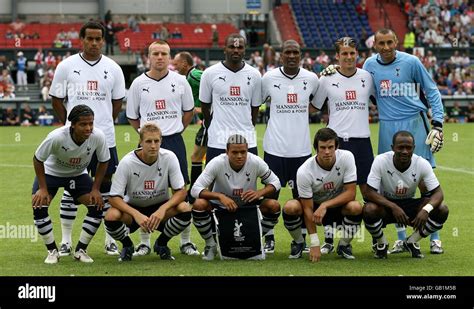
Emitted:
pixel 62 157
pixel 348 102
pixel 160 101
pixel 232 183
pixel 232 95
pixel 322 185
pixel 143 185
pixel 287 133
pixel 94 85
pixel 393 184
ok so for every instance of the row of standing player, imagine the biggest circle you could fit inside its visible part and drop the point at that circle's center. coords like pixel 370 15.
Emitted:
pixel 244 84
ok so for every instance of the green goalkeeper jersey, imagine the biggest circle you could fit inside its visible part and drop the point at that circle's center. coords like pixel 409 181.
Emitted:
pixel 194 79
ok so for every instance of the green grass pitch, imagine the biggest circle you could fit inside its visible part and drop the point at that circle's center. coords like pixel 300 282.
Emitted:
pixel 24 256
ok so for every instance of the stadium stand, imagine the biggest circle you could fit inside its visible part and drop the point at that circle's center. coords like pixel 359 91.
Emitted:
pixel 36 35
pixel 320 22
pixel 136 41
pixel 286 22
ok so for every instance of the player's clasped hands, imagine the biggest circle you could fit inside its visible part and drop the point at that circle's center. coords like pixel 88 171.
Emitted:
pixel 228 203
pixel 400 216
pixel 40 198
pixel 142 221
pixel 250 196
pixel 420 220
pixel 156 218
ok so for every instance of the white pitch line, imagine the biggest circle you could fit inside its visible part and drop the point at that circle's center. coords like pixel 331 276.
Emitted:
pixel 456 170
pixel 16 165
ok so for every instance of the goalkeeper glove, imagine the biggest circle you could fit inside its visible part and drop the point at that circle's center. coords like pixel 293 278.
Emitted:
pixel 330 70
pixel 435 138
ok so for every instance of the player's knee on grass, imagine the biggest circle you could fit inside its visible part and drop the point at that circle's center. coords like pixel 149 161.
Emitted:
pixel 113 214
pixel 183 207
pixel 352 208
pixel 201 205
pixel 270 206
pixel 371 212
pixel 440 214
pixel 293 208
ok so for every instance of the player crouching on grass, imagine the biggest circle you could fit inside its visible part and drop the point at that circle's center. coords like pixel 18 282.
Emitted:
pixel 61 161
pixel 392 183
pixel 234 175
pixel 327 190
pixel 140 195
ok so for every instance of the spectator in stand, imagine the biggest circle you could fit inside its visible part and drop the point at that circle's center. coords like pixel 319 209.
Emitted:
pixel 45 89
pixel 323 59
pixel 10 118
pixel 109 38
pixel 307 60
pixel 132 23
pixel 361 8
pixel 17 26
pixel 61 35
pixel 6 78
pixel 243 33
pixel 108 17
pixel 156 34
pixel 62 40
pixel 8 92
pixel 456 59
pixel 73 34
pixel 215 36
pixel 28 116
pixel 57 43
pixel 198 30
pixel 21 64
pixel 409 41
pixel 470 113
pixel 50 60
pixel 164 33
pixel 3 62
pixel 176 34
pixel 42 111
pixel 9 35
pixel 457 114
pixel 443 86
pixel 39 63
pixel 460 91
pixel 370 42
pixel 39 56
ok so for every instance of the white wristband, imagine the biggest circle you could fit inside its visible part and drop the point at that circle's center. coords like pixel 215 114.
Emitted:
pixel 314 240
pixel 428 208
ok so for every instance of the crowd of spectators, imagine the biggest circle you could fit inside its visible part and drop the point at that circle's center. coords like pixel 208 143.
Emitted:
pixel 28 117
pixel 441 23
